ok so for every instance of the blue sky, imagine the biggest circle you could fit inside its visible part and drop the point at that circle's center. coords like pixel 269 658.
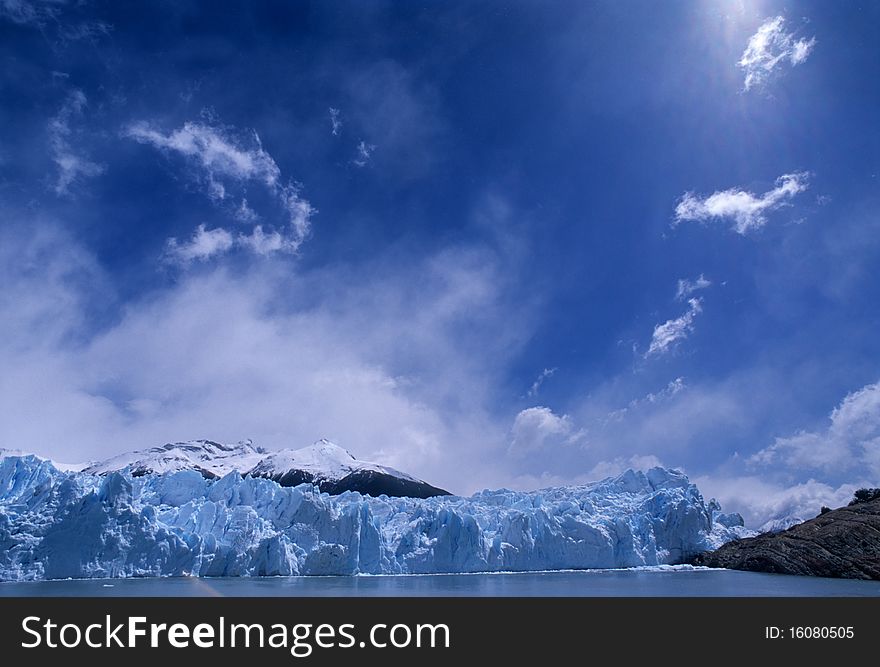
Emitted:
pixel 494 244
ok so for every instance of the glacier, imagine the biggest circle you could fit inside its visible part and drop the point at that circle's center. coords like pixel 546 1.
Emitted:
pixel 57 524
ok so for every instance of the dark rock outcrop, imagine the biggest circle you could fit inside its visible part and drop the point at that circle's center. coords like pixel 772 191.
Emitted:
pixel 841 543
pixel 367 482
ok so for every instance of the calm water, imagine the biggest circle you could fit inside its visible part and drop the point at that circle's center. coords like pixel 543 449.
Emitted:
pixel 603 583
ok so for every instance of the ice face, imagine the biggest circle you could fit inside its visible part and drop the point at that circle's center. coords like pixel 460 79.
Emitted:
pixel 56 524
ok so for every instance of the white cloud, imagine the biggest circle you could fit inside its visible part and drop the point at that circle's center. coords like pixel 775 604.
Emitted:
pixel 299 213
pixel 72 166
pixel 850 444
pixel 267 243
pixel 801 49
pixel 674 387
pixel 204 244
pixel 364 153
pixel 224 160
pixel 745 209
pixel 770 47
pixel 537 429
pixel 668 334
pixel 335 121
pixel 536 385
pixel 687 287
pixel 218 153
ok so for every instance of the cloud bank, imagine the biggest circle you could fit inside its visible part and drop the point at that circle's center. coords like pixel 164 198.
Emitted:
pixel 848 446
pixel 763 502
pixel 391 360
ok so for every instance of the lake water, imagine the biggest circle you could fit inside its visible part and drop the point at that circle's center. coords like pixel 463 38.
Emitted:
pixel 664 582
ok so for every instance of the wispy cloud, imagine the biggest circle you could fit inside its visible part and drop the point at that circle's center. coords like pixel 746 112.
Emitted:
pixel 223 159
pixel 687 287
pixel 262 242
pixel 745 209
pixel 771 47
pixel 536 385
pixel 72 165
pixel 620 464
pixel 244 213
pixel 364 153
pixel 90 31
pixel 29 12
pixel 850 443
pixel 204 244
pixel 335 121
pixel 217 152
pixel 667 335
pixel 672 388
pixel 42 14
pixel 400 111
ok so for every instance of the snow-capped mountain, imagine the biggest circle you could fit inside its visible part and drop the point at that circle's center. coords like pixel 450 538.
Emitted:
pixel 329 467
pixel 334 470
pixel 780 524
pixel 56 524
pixel 211 459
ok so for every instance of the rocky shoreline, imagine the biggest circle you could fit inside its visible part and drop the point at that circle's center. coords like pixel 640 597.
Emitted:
pixel 840 543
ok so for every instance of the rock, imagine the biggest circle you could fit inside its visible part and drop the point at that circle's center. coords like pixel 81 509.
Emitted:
pixel 841 543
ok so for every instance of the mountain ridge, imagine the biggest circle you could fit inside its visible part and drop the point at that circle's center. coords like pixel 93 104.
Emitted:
pixel 328 466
